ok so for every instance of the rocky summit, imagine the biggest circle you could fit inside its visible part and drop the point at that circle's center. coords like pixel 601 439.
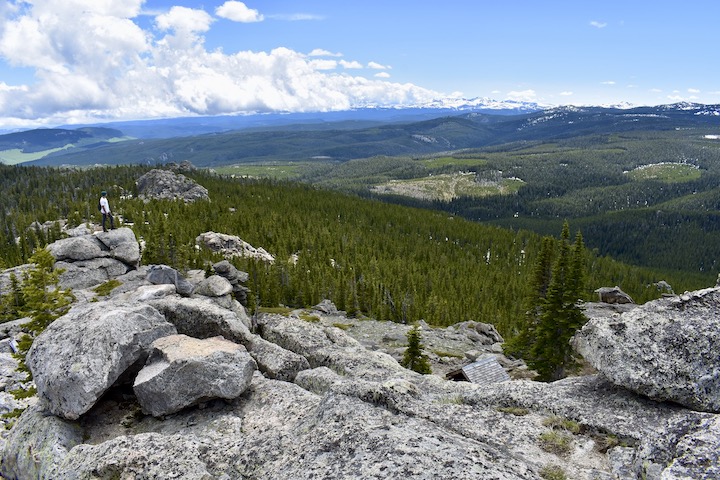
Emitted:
pixel 167 184
pixel 167 376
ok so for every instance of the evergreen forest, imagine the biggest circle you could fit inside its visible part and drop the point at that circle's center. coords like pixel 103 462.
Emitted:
pixel 645 198
pixel 376 259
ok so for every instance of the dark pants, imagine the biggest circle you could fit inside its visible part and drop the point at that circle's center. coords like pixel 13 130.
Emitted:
pixel 112 223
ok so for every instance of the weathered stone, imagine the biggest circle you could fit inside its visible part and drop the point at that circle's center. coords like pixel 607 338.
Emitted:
pixel 358 414
pixel 202 318
pixel 183 371
pixel 327 307
pixel 128 253
pixel 228 270
pixel 697 454
pixel 214 286
pixel 113 239
pixel 77 248
pixel 665 349
pixel 12 327
pixel 162 274
pixel 10 377
pixel 166 184
pixel 89 273
pixel 90 260
pixel 37 444
pixel 79 231
pixel 143 456
pixel 151 292
pixel 230 245
pixel 489 331
pixel 17 272
pixel 328 346
pixel 82 354
pixel 613 295
pixel 274 361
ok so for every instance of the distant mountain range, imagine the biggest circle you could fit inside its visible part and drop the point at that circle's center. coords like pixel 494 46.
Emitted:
pixel 345 119
pixel 341 136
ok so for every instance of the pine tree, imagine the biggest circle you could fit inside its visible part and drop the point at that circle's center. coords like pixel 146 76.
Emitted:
pixel 12 303
pixel 43 301
pixel 520 345
pixel 544 340
pixel 413 358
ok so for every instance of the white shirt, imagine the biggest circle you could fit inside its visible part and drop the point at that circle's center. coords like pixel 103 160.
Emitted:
pixel 104 205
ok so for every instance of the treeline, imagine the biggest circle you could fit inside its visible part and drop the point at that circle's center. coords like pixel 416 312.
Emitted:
pixel 385 261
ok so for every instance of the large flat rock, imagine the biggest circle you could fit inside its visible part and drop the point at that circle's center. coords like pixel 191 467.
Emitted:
pixel 666 349
pixel 183 371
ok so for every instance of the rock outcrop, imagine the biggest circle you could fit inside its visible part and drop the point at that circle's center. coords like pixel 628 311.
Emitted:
pixel 613 295
pixel 90 260
pixel 231 246
pixel 164 184
pixel 666 349
pixel 164 275
pixel 236 278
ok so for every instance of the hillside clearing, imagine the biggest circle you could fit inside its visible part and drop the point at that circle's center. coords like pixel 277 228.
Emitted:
pixel 666 172
pixel 447 187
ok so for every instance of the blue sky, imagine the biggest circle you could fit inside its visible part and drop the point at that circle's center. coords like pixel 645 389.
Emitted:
pixel 98 60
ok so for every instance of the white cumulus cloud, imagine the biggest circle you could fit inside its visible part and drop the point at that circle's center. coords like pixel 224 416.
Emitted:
pixel 566 94
pixel 183 19
pixel 92 61
pixel 319 52
pixel 377 66
pixel 382 75
pixel 351 65
pixel 597 24
pixel 323 64
pixel 238 12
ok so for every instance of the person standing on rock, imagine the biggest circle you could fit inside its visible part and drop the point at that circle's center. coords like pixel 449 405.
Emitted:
pixel 105 210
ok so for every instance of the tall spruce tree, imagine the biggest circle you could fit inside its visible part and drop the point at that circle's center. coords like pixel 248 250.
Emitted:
pixel 520 345
pixel 554 316
pixel 413 358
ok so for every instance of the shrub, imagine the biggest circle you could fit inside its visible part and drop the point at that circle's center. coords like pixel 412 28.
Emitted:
pixel 559 423
pixel 553 441
pixel 107 287
pixel 552 472
pixel 517 411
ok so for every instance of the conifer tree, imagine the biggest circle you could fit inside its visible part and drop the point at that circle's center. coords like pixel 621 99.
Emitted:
pixel 413 358
pixel 12 303
pixel 521 344
pixel 43 301
pixel 544 340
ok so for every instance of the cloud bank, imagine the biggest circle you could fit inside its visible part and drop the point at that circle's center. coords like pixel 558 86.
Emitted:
pixel 119 70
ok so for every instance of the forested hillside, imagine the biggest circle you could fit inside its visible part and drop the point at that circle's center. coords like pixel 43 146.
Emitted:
pixel 647 198
pixel 641 183
pixel 385 261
